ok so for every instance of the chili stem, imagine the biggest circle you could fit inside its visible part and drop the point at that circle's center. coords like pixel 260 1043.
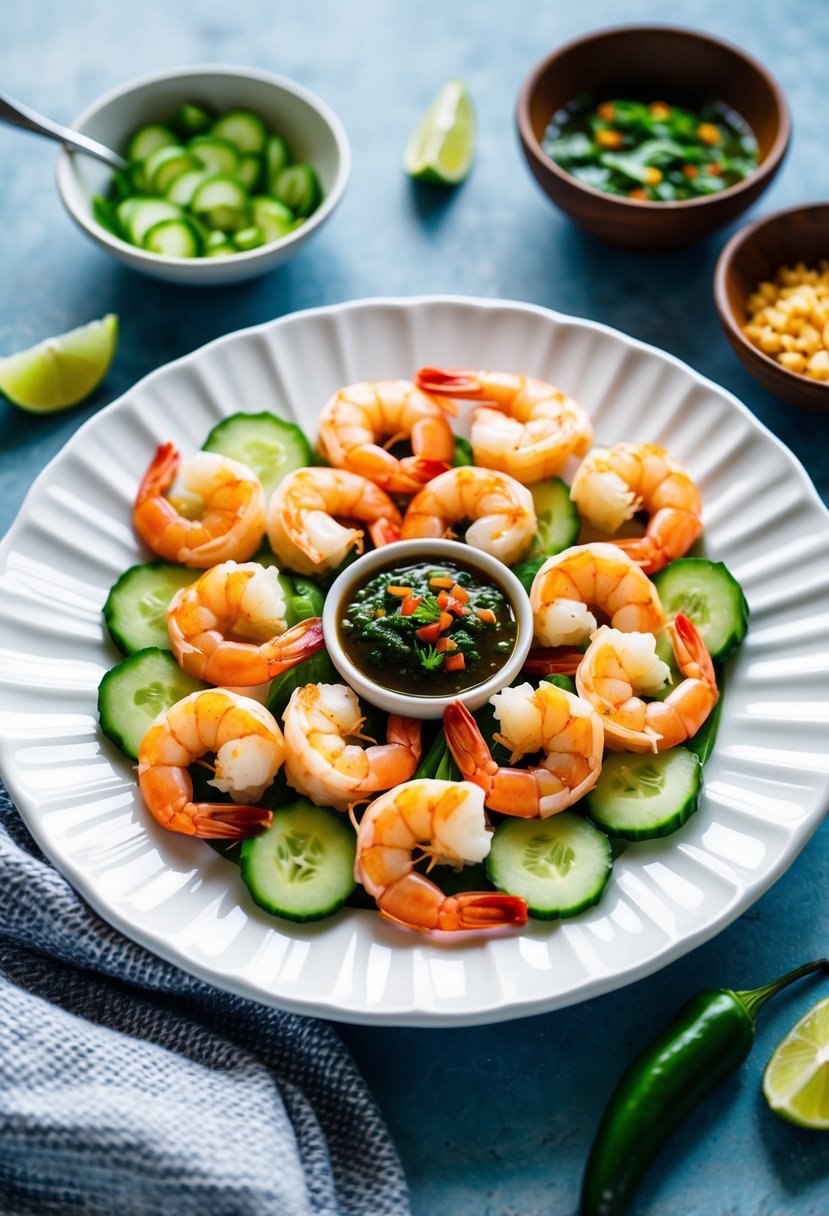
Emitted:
pixel 755 998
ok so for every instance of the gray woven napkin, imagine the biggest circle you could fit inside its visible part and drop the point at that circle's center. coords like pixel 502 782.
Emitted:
pixel 128 1087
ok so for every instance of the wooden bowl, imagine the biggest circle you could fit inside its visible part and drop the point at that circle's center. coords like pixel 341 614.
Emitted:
pixel 756 252
pixel 668 63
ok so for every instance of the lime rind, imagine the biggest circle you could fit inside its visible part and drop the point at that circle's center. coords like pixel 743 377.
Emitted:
pixel 60 371
pixel 796 1080
pixel 442 146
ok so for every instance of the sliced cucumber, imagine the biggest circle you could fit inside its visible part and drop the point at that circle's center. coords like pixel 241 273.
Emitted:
pixel 639 797
pixel 277 158
pixel 136 691
pixel 273 217
pixel 559 522
pixel 138 215
pixel 220 249
pixel 136 607
pixel 221 203
pixel 106 214
pixel 192 119
pixel 710 596
pixel 165 165
pixel 244 129
pixel 149 139
pixel 559 865
pixel 183 187
pixel 217 155
pixel 302 867
pixel 266 444
pixel 248 238
pixel 298 187
pixel 250 170
pixel 173 239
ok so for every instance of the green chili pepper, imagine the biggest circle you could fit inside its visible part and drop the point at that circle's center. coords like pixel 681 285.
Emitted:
pixel 709 1038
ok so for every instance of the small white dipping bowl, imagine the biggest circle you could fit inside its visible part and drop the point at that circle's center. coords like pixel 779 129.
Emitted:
pixel 403 551
pixel 312 130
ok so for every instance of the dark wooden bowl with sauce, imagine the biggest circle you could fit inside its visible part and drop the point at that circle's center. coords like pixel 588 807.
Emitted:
pixel 670 64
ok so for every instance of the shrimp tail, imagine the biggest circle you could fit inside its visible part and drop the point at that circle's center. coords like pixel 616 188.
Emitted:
pixel 448 382
pixel 422 469
pixel 692 658
pixel 160 475
pixel 296 644
pixel 482 910
pixel 468 746
pixel 671 532
pixel 383 532
pixel 553 661
pixel 219 821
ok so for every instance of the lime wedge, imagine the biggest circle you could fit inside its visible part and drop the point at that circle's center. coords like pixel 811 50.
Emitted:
pixel 60 371
pixel 443 142
pixel 796 1081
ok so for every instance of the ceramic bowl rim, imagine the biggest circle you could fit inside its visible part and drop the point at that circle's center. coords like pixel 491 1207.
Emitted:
pixel 391 700
pixel 98 233
pixel 765 169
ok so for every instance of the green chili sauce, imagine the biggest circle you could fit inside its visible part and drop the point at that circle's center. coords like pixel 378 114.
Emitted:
pixel 393 639
pixel 653 151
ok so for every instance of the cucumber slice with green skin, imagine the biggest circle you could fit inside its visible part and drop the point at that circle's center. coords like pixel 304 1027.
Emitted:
pixel 274 218
pixel 248 238
pixel 136 607
pixel 182 188
pixel 173 239
pixel 243 128
pixel 165 165
pixel 135 692
pixel 298 187
pixel 709 595
pixel 266 444
pixel 138 215
pixel 148 139
pixel 318 669
pixel 220 249
pixel 302 867
pixel 641 797
pixel 560 865
pixel 219 156
pixel 250 170
pixel 559 522
pixel 277 158
pixel 222 203
pixel 192 119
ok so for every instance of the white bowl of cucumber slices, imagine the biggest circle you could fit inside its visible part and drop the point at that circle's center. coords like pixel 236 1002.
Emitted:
pixel 231 169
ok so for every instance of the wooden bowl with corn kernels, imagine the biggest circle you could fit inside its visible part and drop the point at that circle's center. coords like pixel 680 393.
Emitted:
pixel 771 288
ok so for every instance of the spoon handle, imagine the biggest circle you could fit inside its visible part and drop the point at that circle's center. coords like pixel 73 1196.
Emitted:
pixel 18 115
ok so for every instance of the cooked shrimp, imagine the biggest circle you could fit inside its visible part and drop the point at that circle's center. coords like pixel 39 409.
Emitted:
pixel 501 510
pixel 532 428
pixel 446 821
pixel 304 513
pixel 565 728
pixel 213 511
pixel 249 750
pixel 324 758
pixel 229 626
pixel 618 666
pixel 600 575
pixel 612 484
pixel 359 416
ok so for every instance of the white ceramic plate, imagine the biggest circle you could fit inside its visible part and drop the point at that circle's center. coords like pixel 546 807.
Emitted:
pixel 766 787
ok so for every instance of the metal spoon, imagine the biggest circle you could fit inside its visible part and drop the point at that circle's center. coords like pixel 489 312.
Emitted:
pixel 18 115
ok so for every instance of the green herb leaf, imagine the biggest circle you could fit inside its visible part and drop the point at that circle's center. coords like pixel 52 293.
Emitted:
pixel 427 611
pixel 429 657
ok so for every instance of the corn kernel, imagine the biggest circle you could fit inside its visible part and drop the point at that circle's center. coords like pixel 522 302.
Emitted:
pixel 653 176
pixel 609 139
pixel 708 133
pixel 789 319
pixel 792 361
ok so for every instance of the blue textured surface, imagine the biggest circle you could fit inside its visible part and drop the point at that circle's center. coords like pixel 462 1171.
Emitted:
pixel 497 1120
